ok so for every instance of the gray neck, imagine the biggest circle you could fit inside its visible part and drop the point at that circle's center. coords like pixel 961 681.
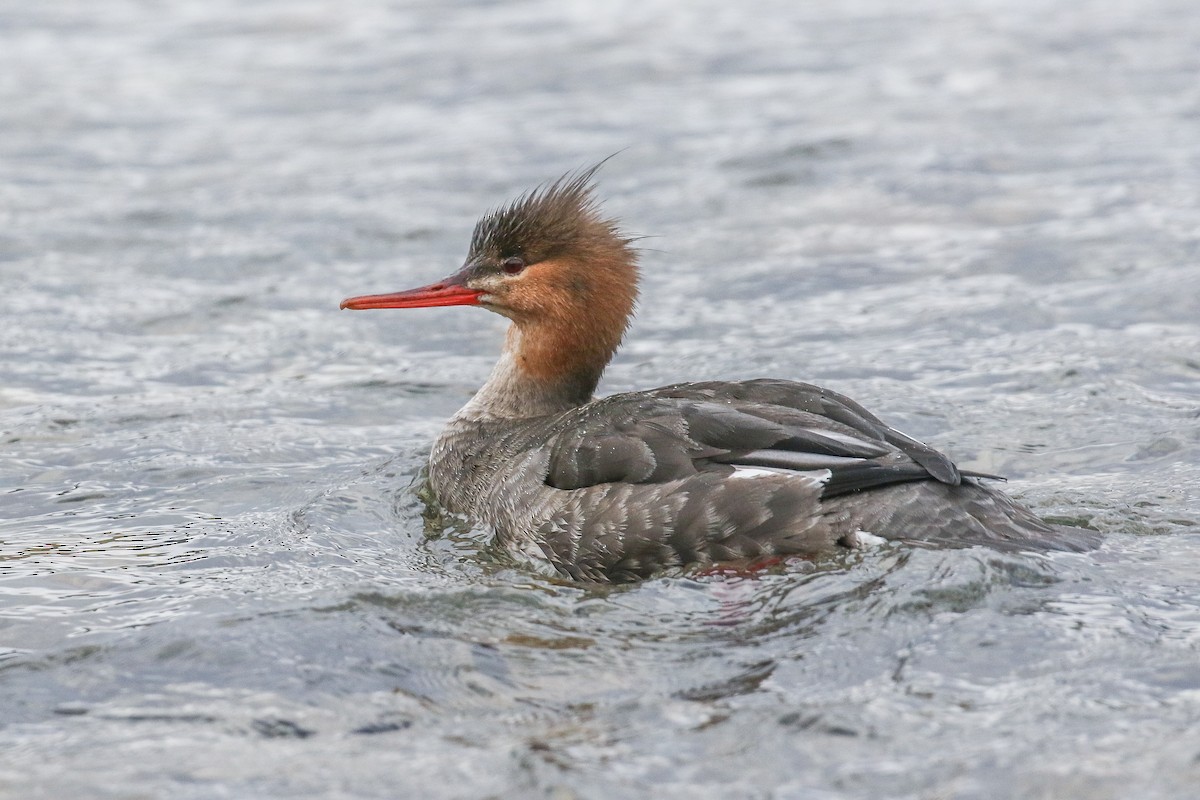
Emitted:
pixel 510 393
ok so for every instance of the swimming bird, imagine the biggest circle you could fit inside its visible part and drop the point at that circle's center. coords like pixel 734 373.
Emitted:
pixel 618 488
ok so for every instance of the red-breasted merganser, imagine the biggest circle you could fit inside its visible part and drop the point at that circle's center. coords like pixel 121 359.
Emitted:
pixel 618 488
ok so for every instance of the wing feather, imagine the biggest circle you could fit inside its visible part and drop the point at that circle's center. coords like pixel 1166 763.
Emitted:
pixel 679 431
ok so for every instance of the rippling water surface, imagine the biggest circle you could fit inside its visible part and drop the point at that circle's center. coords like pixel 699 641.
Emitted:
pixel 217 575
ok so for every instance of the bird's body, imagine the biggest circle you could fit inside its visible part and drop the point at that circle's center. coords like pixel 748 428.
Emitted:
pixel 617 488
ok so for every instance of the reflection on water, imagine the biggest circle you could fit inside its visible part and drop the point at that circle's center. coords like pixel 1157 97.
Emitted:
pixel 218 571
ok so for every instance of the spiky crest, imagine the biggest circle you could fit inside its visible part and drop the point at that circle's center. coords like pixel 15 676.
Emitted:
pixel 555 217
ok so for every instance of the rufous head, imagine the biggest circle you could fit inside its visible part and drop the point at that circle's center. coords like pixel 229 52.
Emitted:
pixel 554 265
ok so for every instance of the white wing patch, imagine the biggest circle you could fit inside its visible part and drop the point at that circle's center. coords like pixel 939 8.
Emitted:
pixel 745 473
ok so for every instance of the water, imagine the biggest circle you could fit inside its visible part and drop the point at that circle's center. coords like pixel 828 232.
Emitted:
pixel 217 577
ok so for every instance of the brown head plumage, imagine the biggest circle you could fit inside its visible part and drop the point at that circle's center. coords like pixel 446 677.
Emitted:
pixel 556 219
pixel 558 268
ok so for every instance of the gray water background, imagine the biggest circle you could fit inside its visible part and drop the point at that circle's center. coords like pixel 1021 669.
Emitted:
pixel 217 577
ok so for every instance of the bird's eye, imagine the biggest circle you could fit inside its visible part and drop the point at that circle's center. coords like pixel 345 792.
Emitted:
pixel 512 266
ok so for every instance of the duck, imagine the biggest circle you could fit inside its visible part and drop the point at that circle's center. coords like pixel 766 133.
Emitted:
pixel 618 488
